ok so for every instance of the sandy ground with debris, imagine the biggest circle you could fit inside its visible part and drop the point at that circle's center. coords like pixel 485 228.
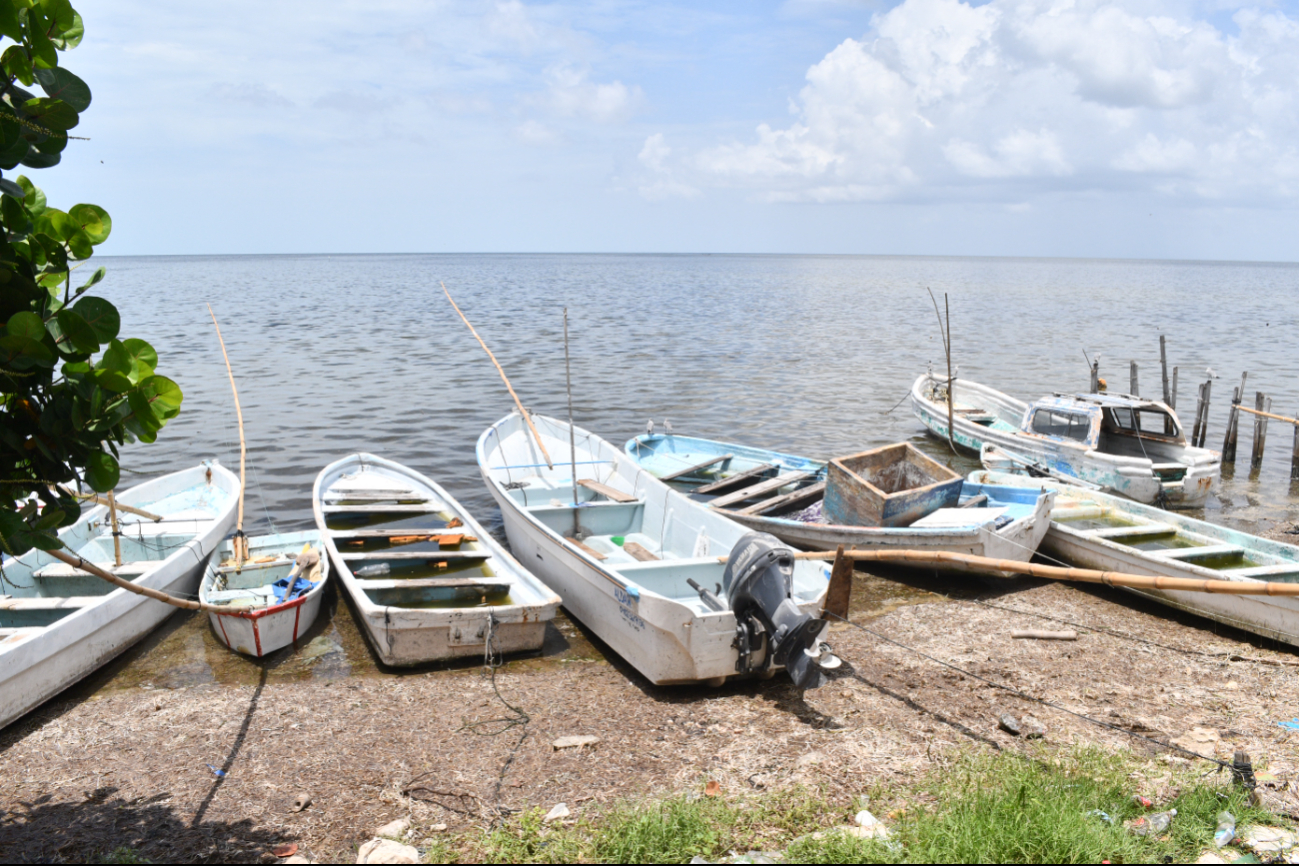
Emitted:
pixel 123 762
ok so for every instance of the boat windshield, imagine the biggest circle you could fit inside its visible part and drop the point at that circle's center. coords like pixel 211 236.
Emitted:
pixel 1143 421
pixel 1065 425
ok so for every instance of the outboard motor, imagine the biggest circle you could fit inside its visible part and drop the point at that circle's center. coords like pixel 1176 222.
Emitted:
pixel 759 583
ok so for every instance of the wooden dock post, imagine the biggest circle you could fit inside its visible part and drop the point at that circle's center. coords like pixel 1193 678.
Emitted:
pixel 1134 390
pixel 1096 375
pixel 1261 404
pixel 1233 422
pixel 1172 395
pixel 1294 455
pixel 1163 369
pixel 1204 424
pixel 1199 417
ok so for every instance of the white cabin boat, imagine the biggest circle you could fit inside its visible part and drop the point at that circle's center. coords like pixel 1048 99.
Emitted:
pixel 428 582
pixel 1123 444
pixel 1091 529
pixel 58 623
pixel 266 612
pixel 640 564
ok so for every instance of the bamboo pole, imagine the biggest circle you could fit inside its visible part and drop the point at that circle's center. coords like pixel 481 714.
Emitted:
pixel 1002 567
pixel 517 402
pixel 572 434
pixel 117 534
pixel 99 500
pixel 240 542
pixel 186 603
pixel 1243 409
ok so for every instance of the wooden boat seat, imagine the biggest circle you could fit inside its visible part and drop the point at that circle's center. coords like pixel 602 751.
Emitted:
pixel 1208 551
pixel 691 470
pixel 787 500
pixel 1269 572
pixel 589 551
pixel 605 490
pixel 431 555
pixel 72 602
pixel 425 508
pixel 489 584
pixel 63 569
pixel 1077 512
pixel 377 496
pixel 1144 529
pixel 737 478
pixel 758 489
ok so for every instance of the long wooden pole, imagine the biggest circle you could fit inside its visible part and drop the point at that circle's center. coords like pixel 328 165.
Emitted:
pixel 1250 411
pixel 572 435
pixel 99 500
pixel 517 402
pixel 240 542
pixel 117 534
pixel 186 603
pixel 1001 567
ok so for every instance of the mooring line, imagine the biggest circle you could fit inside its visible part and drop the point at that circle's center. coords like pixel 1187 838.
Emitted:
pixel 1014 691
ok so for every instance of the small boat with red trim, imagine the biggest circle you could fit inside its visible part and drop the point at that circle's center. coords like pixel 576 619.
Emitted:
pixel 272 597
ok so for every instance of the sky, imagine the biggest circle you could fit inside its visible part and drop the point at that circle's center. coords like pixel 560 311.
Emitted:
pixel 1089 128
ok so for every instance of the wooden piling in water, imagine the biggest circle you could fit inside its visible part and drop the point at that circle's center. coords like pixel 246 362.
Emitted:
pixel 1172 395
pixel 1134 390
pixel 1198 424
pixel 1233 421
pixel 1204 423
pixel 1260 430
pixel 1294 455
pixel 1163 368
pixel 1096 376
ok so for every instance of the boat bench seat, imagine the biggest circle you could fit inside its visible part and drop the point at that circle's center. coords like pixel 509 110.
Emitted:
pixel 596 518
pixel 1270 572
pixel 1132 531
pixel 425 508
pixel 1208 551
pixel 63 569
pixel 72 602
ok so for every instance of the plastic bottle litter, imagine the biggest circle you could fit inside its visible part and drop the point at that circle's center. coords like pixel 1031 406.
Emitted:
pixel 1152 825
pixel 1143 802
pixel 375 570
pixel 1226 830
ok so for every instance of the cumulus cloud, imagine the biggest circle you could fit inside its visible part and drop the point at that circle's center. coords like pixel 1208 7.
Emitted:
pixel 659 182
pixel 945 98
pixel 570 94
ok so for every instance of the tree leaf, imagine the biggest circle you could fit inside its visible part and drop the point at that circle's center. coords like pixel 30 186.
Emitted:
pixel 142 352
pixel 15 535
pixel 9 24
pixel 94 221
pixel 26 324
pixel 59 13
pixel 115 358
pixel 35 159
pixel 94 278
pixel 54 114
pixel 102 316
pixel 34 196
pixel 71 36
pixel 79 244
pixel 56 224
pixel 164 395
pixel 77 331
pixel 38 26
pixel 59 83
pixel 17 64
pixel 102 471
pixel 13 214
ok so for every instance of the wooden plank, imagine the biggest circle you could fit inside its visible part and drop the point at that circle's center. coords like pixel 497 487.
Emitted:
pixel 490 584
pixel 805 494
pixel 838 595
pixel 1206 552
pixel 444 539
pixel 383 533
pixel 638 552
pixel 605 490
pixel 758 489
pixel 691 470
pixel 427 508
pixel 385 496
pixel 1131 531
pixel 62 569
pixel 589 551
pixel 732 480
pixel 431 555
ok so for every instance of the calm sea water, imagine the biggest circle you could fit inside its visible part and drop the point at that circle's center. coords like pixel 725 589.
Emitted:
pixel 338 354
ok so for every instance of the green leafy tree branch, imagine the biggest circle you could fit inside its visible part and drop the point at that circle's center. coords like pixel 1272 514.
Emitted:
pixel 71 390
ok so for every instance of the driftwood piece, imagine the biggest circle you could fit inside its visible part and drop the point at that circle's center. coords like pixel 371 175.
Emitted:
pixel 1032 634
pixel 838 596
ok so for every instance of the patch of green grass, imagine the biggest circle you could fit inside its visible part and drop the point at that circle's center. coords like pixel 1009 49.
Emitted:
pixel 123 855
pixel 997 808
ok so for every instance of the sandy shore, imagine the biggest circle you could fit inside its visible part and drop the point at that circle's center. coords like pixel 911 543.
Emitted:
pixel 123 760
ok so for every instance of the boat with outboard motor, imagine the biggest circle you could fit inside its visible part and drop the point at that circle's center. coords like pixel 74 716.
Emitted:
pixel 59 623
pixel 272 598
pixel 680 591
pixel 783 494
pixel 1122 443
pixel 1093 529
pixel 428 582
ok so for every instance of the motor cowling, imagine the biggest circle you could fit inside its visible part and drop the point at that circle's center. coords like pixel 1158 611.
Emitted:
pixel 759 585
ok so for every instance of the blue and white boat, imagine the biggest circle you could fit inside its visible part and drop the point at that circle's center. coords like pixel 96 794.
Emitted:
pixel 1118 442
pixel 1092 529
pixel 782 494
